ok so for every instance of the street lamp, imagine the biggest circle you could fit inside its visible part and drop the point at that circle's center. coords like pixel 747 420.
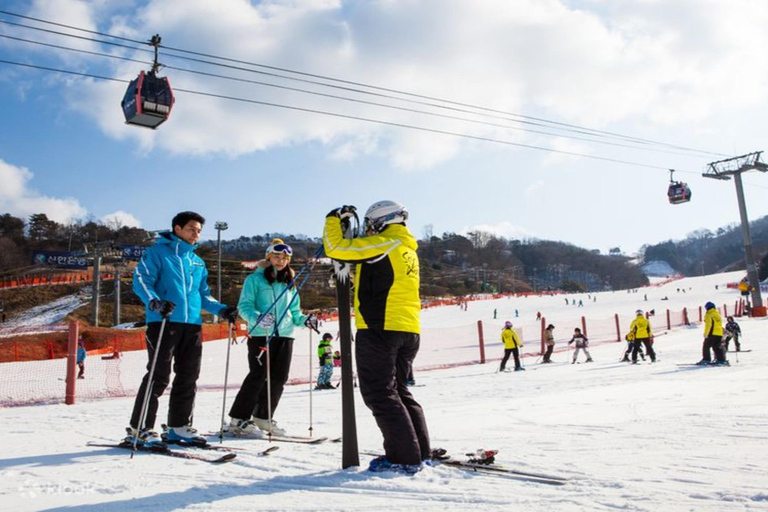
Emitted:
pixel 220 226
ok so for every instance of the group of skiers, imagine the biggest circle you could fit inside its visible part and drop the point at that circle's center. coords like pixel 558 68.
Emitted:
pixel 716 340
pixel 171 280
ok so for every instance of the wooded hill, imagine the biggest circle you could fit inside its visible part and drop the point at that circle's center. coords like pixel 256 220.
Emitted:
pixel 707 252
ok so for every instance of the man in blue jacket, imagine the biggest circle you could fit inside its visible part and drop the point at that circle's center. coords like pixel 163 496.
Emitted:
pixel 173 283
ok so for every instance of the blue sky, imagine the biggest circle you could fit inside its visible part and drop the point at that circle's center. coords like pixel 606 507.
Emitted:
pixel 673 71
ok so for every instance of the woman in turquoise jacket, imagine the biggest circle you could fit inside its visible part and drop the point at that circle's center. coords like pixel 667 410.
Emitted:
pixel 251 412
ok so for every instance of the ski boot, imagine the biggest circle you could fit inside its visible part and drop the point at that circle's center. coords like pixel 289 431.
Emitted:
pixel 264 425
pixel 382 463
pixel 147 438
pixel 185 435
pixel 238 427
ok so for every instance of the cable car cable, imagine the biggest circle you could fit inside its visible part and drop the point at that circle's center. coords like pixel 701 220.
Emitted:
pixel 570 126
pixel 344 98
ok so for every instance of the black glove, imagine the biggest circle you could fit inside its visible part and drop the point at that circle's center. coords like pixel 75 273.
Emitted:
pixel 311 323
pixel 162 307
pixel 229 313
pixel 345 212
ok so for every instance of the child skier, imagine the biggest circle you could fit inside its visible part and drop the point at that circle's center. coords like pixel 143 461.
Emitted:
pixel 325 354
pixel 581 344
pixel 82 354
pixel 732 331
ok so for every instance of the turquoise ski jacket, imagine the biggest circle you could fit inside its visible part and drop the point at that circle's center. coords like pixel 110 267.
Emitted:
pixel 258 295
pixel 170 270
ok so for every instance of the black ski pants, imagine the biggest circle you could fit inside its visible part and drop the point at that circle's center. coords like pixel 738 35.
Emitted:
pixel 507 351
pixel 548 353
pixel 716 344
pixel 182 345
pixel 648 349
pixel 735 338
pixel 384 359
pixel 252 399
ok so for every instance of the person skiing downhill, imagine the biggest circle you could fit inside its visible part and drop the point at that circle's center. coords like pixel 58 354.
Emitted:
pixel 387 317
pixel 173 283
pixel 512 345
pixel 581 344
pixel 640 329
pixel 251 412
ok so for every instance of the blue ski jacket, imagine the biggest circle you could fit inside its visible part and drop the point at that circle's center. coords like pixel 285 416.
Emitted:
pixel 258 295
pixel 170 270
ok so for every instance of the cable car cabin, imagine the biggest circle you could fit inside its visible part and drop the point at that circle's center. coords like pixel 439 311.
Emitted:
pixel 148 101
pixel 678 193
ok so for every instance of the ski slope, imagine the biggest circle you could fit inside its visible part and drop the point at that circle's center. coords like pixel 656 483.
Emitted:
pixel 632 437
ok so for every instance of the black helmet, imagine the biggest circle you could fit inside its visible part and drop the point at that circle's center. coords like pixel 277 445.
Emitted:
pixel 327 336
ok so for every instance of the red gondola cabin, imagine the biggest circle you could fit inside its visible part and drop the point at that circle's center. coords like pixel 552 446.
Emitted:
pixel 148 101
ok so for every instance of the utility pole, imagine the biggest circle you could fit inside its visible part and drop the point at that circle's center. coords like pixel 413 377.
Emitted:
pixel 96 288
pixel 220 226
pixel 723 170
pixel 117 268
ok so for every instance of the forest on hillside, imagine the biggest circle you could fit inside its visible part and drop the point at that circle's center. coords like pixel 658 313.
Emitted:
pixel 707 252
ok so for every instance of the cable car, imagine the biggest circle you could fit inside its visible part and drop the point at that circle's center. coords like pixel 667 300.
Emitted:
pixel 149 99
pixel 678 191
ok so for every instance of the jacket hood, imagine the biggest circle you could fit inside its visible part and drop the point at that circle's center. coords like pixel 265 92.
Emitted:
pixel 168 238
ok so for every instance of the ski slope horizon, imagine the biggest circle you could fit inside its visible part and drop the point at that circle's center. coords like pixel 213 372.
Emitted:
pixel 631 437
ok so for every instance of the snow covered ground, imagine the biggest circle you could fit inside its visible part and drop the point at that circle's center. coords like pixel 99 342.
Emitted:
pixel 632 437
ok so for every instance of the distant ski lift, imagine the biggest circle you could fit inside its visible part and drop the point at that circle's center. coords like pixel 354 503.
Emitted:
pixel 149 99
pixel 678 191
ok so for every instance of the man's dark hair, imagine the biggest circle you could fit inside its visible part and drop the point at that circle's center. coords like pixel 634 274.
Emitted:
pixel 182 218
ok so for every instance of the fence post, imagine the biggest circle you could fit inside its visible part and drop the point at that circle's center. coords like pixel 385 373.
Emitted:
pixel 584 326
pixel 618 329
pixel 725 310
pixel 669 321
pixel 700 316
pixel 480 341
pixel 74 328
pixel 685 317
pixel 543 343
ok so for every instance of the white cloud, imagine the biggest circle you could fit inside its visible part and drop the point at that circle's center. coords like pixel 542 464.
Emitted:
pixel 502 229
pixel 585 63
pixel 19 200
pixel 121 218
pixel 534 188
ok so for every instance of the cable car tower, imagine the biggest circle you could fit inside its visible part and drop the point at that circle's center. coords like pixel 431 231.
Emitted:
pixel 723 170
pixel 148 99
pixel 678 192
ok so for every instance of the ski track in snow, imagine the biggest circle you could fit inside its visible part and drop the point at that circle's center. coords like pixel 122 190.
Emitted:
pixel 647 437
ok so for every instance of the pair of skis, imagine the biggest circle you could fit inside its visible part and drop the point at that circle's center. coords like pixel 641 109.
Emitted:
pixel 484 461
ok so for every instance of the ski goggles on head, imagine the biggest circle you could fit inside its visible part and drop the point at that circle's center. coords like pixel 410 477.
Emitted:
pixel 280 249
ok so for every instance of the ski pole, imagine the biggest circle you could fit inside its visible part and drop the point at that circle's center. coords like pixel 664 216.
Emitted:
pixel 226 378
pixel 150 379
pixel 310 383
pixel 269 391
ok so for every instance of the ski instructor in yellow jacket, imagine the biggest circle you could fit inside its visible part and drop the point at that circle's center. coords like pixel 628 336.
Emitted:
pixel 387 317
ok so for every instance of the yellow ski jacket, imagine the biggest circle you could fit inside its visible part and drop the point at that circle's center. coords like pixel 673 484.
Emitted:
pixel 640 327
pixel 386 275
pixel 510 338
pixel 713 323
